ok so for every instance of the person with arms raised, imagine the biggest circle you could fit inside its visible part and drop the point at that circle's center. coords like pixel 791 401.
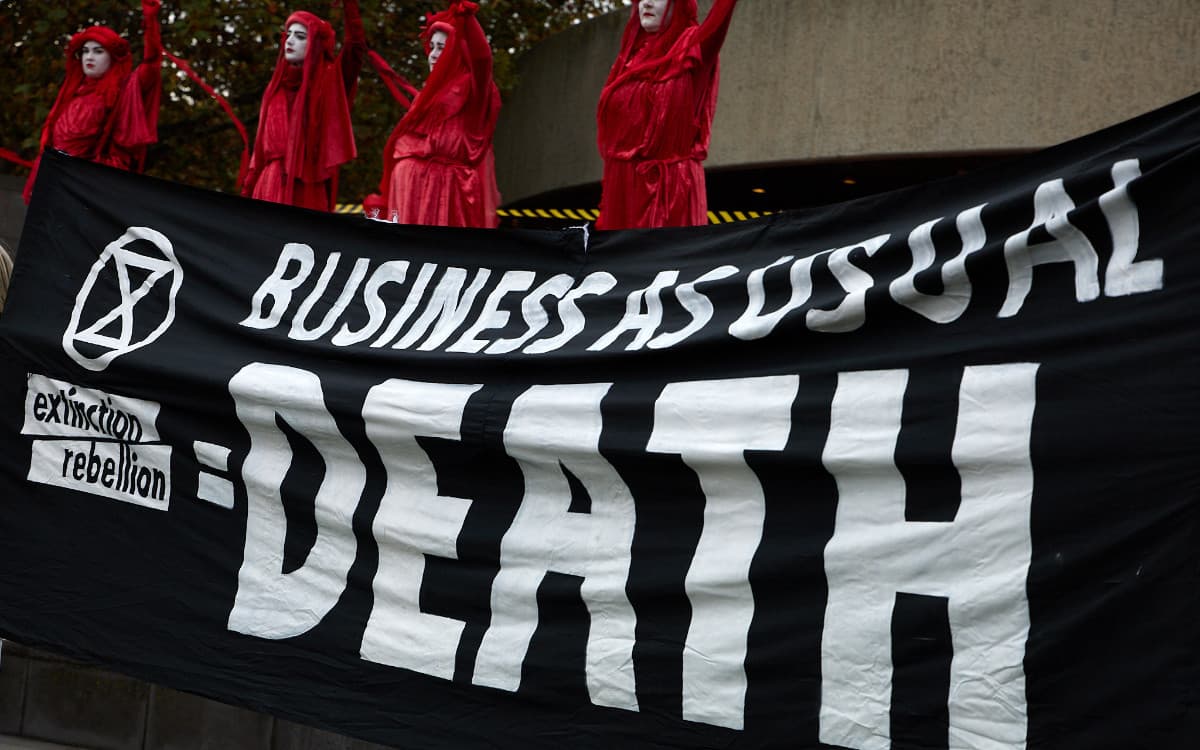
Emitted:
pixel 107 110
pixel 655 115
pixel 304 131
pixel 438 165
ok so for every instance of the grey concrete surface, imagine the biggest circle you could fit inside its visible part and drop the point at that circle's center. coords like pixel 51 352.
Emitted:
pixel 180 721
pixel 48 702
pixel 21 743
pixel 78 705
pixel 289 736
pixel 13 670
pixel 810 80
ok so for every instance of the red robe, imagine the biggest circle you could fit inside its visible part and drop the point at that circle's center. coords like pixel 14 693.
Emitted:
pixel 111 119
pixel 304 131
pixel 439 168
pixel 655 119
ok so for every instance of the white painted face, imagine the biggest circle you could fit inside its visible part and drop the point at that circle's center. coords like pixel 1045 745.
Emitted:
pixel 295 45
pixel 653 14
pixel 437 45
pixel 95 59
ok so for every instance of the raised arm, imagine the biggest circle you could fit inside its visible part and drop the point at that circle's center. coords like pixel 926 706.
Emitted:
pixel 149 73
pixel 354 46
pixel 478 49
pixel 715 27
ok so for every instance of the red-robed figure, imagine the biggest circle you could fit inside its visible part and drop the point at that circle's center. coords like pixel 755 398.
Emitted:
pixel 304 132
pixel 438 165
pixel 106 110
pixel 655 115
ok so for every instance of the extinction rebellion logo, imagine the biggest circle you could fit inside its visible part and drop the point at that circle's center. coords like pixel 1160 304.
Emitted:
pixel 123 279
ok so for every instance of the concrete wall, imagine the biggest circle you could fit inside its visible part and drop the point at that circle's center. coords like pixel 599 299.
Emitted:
pixel 48 699
pixel 823 79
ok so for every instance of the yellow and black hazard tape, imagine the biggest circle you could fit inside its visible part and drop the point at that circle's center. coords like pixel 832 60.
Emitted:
pixel 729 217
pixel 571 214
pixel 580 214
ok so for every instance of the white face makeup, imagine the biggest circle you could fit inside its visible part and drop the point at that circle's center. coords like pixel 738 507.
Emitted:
pixel 653 14
pixel 437 45
pixel 95 59
pixel 295 45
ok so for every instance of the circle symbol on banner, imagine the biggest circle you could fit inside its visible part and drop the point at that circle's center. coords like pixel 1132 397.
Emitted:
pixel 113 333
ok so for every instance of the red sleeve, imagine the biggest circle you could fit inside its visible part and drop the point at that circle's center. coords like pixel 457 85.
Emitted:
pixel 149 73
pixel 715 27
pixel 135 116
pixel 479 51
pixel 354 47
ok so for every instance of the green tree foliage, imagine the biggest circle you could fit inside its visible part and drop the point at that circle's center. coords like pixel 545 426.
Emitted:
pixel 233 45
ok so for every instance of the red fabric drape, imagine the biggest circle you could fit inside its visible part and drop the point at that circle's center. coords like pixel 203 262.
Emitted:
pixel 304 130
pixel 15 158
pixel 399 87
pixel 655 119
pixel 183 65
pixel 438 166
pixel 111 119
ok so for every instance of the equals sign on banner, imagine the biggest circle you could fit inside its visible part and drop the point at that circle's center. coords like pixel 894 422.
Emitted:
pixel 214 488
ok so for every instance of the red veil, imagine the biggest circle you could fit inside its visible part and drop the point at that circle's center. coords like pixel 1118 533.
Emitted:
pixel 320 136
pixel 653 56
pixel 108 86
pixel 667 54
pixel 132 115
pixel 458 66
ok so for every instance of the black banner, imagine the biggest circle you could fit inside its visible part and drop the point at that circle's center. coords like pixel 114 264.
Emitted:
pixel 919 470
